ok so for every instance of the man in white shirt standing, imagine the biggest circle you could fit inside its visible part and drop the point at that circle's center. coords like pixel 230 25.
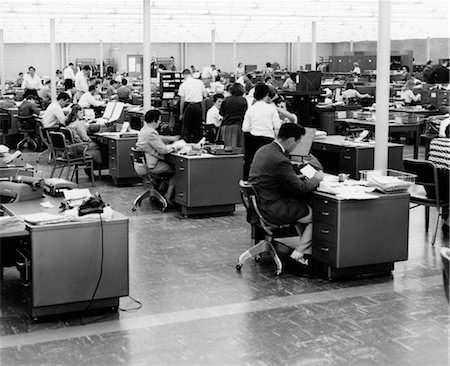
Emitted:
pixel 54 115
pixel 68 72
pixel 88 100
pixel 191 92
pixel 82 82
pixel 260 126
pixel 31 82
pixel 208 74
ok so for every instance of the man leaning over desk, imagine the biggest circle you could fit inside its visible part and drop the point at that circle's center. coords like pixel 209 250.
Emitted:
pixel 284 196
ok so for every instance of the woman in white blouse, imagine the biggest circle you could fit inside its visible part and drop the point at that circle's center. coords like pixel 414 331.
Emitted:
pixel 407 93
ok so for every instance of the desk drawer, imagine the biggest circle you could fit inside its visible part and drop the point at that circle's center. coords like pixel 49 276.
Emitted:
pixel 180 195
pixel 325 211
pixel 324 251
pixel 325 147
pixel 325 231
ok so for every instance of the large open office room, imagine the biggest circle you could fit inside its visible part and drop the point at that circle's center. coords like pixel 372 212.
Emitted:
pixel 224 182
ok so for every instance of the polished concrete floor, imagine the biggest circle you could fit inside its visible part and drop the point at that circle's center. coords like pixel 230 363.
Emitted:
pixel 197 310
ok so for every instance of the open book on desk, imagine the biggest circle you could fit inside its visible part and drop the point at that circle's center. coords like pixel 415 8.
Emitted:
pixel 112 113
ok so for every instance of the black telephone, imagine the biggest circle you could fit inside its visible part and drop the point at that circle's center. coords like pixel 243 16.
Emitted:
pixel 93 204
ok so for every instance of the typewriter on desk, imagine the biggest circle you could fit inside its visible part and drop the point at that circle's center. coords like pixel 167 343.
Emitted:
pixel 21 188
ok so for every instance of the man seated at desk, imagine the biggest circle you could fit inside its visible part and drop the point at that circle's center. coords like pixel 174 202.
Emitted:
pixel 283 196
pixel 54 115
pixel 154 147
pixel 88 99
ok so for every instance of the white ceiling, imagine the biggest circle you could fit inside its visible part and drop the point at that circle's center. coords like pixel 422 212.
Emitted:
pixel 241 20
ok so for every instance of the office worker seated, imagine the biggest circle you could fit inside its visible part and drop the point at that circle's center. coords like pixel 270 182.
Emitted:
pixel 439 154
pixel 351 94
pixel 260 126
pixel 290 84
pixel 154 147
pixel 124 92
pixel 283 112
pixel 406 75
pixel 283 196
pixel 407 93
pixel 54 115
pixel 88 99
pixel 29 108
pixel 76 123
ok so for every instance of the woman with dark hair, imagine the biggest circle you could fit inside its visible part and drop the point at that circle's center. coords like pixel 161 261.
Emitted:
pixel 76 123
pixel 351 94
pixel 405 73
pixel 233 110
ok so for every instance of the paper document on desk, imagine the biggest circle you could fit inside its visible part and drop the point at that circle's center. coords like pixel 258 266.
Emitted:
pixel 308 171
pixel 76 196
pixel 42 218
pixel 347 191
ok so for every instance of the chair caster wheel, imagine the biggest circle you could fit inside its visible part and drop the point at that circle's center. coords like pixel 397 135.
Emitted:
pixel 257 258
pixel 238 267
pixel 133 209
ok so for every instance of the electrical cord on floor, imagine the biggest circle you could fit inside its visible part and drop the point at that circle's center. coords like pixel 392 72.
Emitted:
pixel 99 277
pixel 133 309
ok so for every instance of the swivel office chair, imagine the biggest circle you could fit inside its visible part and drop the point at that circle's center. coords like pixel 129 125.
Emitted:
pixel 151 181
pixel 263 232
pixel 26 126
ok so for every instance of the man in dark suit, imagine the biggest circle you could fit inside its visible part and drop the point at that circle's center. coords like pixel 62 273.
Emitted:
pixel 283 196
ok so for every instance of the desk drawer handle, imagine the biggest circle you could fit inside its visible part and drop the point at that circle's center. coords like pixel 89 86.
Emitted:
pixel 325 202
pixel 324 231
pixel 347 157
pixel 181 194
pixel 181 169
pixel 324 249
pixel 325 213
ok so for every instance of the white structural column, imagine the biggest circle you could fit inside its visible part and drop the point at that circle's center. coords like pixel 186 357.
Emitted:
pixel 52 60
pixel 351 46
pixel 186 64
pixel 313 46
pixel 298 54
pixel 213 46
pixel 61 54
pixel 147 58
pixel 428 49
pixel 66 51
pixel 2 63
pixel 234 54
pixel 382 87
pixel 101 58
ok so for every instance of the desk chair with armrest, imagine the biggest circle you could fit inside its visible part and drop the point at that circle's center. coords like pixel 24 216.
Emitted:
pixel 263 232
pixel 151 181
pixel 45 139
pixel 67 155
pixel 27 127
pixel 427 176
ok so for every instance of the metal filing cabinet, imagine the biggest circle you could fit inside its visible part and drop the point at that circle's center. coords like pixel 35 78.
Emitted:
pixel 356 237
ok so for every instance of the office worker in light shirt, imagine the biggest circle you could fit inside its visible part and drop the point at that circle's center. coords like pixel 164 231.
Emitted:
pixel 285 115
pixel 351 93
pixel 31 82
pixel 54 115
pixel 88 99
pixel 191 92
pixel 213 116
pixel 407 93
pixel 82 81
pixel 356 69
pixel 290 84
pixel 240 71
pixel 260 126
pixel 154 148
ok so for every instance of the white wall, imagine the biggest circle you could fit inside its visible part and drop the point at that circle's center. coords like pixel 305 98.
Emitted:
pixel 20 56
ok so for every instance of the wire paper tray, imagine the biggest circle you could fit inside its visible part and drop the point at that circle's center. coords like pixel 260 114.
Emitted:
pixel 388 180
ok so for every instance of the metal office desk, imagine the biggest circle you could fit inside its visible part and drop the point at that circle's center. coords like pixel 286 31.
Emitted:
pixel 358 237
pixel 207 184
pixel 60 264
pixel 119 163
pixel 338 158
pixel 393 127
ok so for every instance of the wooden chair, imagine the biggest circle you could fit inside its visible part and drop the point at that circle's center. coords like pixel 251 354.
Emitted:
pixel 68 155
pixel 427 176
pixel 263 231
pixel 151 181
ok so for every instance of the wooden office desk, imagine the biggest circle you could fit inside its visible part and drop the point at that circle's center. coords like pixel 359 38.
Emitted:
pixel 357 237
pixel 207 184
pixel 415 128
pixel 337 158
pixel 60 264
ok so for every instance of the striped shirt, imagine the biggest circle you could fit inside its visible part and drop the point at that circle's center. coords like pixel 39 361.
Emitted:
pixel 440 153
